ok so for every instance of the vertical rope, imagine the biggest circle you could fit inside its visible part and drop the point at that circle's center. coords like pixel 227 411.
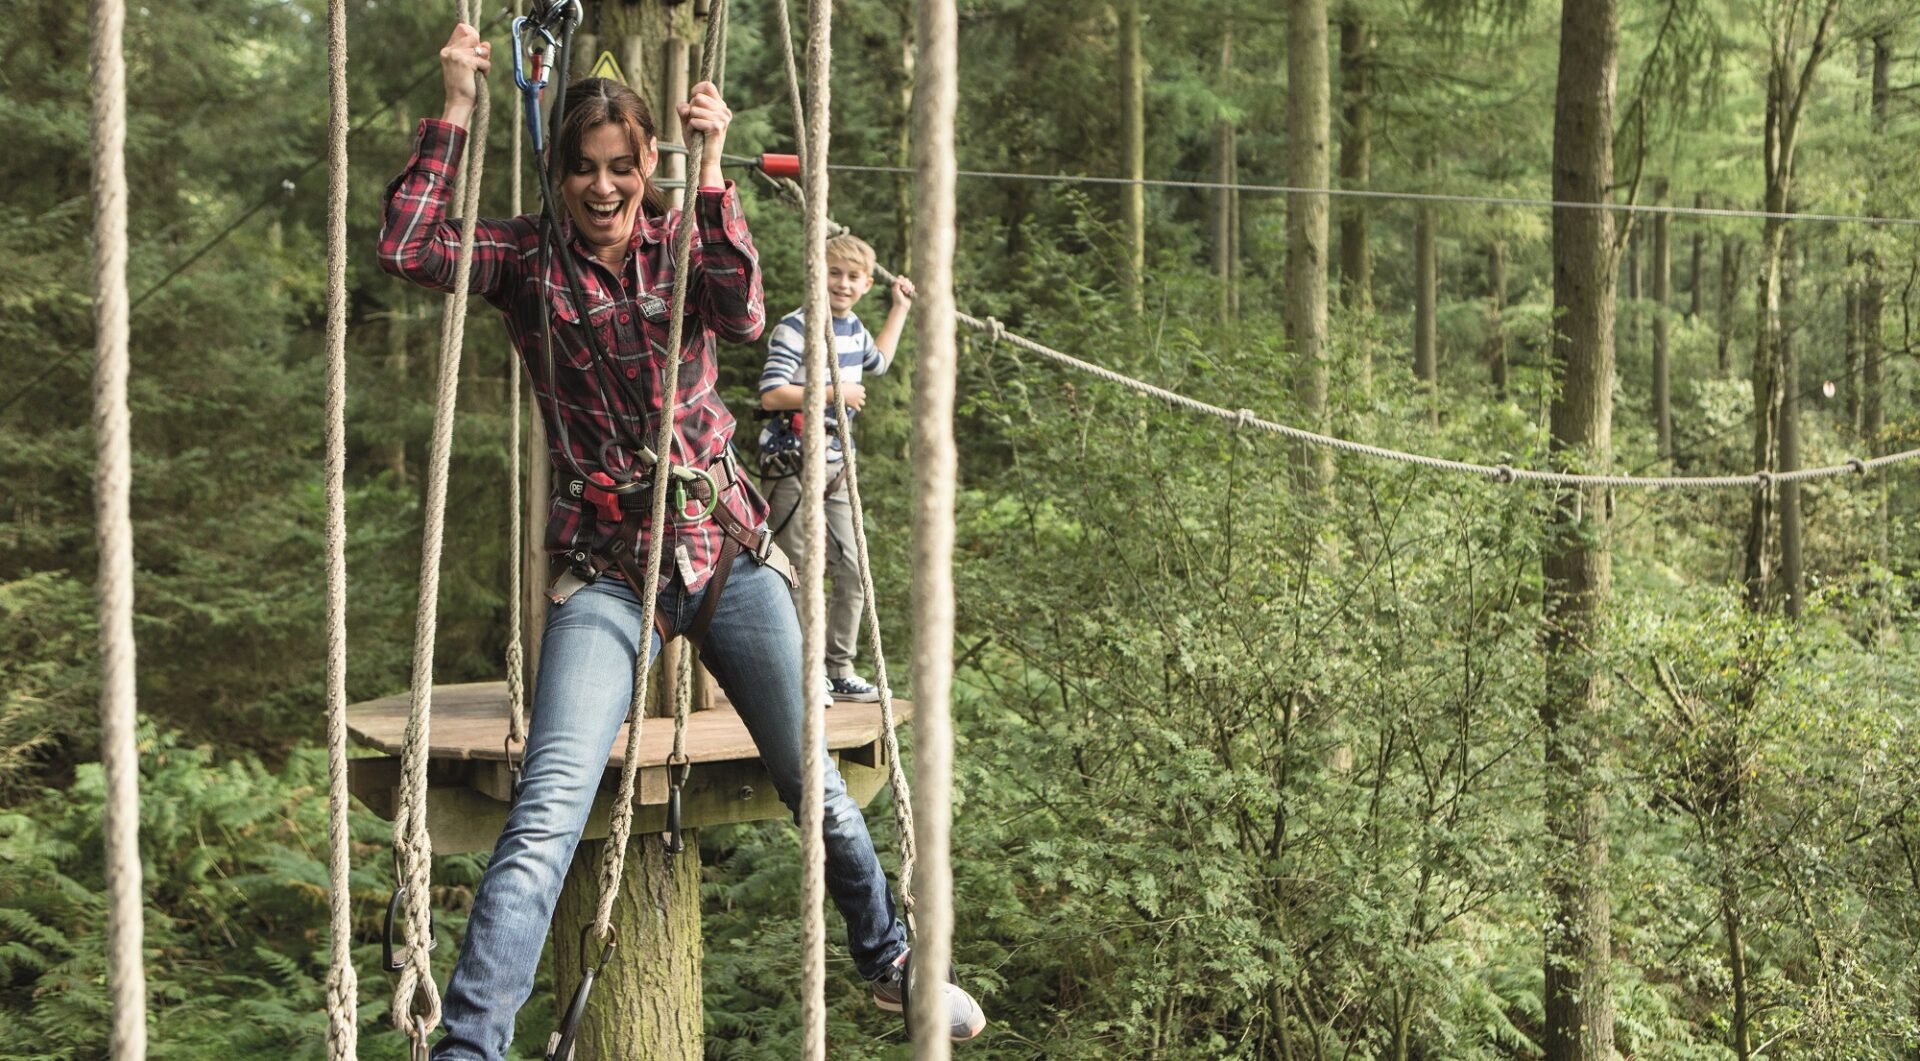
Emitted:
pixel 413 847
pixel 343 985
pixel 620 827
pixel 516 545
pixel 113 476
pixel 819 343
pixel 934 470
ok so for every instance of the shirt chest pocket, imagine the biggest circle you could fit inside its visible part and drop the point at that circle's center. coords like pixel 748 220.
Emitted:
pixel 571 345
pixel 656 310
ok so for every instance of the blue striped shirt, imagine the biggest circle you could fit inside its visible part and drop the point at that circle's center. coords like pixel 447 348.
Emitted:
pixel 786 364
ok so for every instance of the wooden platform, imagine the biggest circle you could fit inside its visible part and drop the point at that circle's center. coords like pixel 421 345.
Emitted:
pixel 471 783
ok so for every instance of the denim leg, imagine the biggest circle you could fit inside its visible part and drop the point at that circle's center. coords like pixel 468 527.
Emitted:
pixel 586 681
pixel 753 650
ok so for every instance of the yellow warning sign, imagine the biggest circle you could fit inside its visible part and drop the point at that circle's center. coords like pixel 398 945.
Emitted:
pixel 608 67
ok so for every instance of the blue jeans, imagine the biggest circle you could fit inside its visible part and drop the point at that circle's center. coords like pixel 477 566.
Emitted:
pixel 586 681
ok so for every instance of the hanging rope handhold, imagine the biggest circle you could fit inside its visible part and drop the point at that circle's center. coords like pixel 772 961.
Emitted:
pixel 560 1046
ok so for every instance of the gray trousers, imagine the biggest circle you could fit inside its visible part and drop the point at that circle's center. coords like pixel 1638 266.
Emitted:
pixel 845 601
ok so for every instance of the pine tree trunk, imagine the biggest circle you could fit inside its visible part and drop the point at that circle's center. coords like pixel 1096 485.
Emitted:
pixel 1662 294
pixel 1307 135
pixel 1356 157
pixel 1730 254
pixel 1790 554
pixel 1225 147
pixel 1134 148
pixel 1576 561
pixel 1873 292
pixel 646 1003
pixel 1695 297
pixel 1496 315
pixel 1426 338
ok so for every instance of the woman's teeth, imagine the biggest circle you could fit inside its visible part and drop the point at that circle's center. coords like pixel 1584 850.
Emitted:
pixel 604 209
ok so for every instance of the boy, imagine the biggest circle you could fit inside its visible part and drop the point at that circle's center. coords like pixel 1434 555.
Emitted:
pixel 782 389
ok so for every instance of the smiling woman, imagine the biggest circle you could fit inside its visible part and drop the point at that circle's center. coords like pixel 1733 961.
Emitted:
pixel 607 154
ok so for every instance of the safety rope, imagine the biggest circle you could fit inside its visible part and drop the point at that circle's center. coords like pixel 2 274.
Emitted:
pixel 1670 210
pixel 813 483
pixel 516 562
pixel 935 468
pixel 620 827
pixel 113 522
pixel 413 846
pixel 896 773
pixel 1499 473
pixel 343 984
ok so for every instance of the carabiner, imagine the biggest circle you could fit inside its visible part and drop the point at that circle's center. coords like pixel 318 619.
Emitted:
pixel 531 85
pixel 676 777
pixel 682 475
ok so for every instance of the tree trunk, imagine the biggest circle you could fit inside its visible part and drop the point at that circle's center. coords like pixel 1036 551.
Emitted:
pixel 1356 157
pixel 1225 147
pixel 1790 555
pixel 1873 292
pixel 1426 338
pixel 1732 922
pixel 1307 134
pixel 1730 254
pixel 1662 293
pixel 1576 561
pixel 1496 315
pixel 1134 152
pixel 646 1002
pixel 1850 379
pixel 1788 84
pixel 1694 289
pixel 1630 313
pixel 903 142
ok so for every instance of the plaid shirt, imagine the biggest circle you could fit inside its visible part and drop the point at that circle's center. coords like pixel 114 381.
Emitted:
pixel 419 242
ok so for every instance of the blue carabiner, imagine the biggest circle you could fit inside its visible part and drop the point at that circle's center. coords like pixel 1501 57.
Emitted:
pixel 532 86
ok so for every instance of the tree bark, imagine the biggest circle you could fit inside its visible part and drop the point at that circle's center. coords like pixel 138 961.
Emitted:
pixel 1873 292
pixel 1694 289
pixel 1730 254
pixel 1576 561
pixel 1134 148
pixel 1426 283
pixel 1790 539
pixel 646 1003
pixel 1850 380
pixel 1496 315
pixel 1356 157
pixel 1788 85
pixel 1225 146
pixel 1662 294
pixel 1308 131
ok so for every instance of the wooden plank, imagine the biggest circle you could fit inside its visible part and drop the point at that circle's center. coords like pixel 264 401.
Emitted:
pixel 470 723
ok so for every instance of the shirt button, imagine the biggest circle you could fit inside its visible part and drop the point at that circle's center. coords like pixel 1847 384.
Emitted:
pixel 633 373
pixel 624 318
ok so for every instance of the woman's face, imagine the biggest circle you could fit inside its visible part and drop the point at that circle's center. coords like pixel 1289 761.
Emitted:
pixel 603 190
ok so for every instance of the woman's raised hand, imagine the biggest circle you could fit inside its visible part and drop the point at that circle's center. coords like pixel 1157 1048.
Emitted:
pixel 464 58
pixel 707 113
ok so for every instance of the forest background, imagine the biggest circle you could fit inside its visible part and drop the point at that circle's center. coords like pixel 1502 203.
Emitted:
pixel 1260 754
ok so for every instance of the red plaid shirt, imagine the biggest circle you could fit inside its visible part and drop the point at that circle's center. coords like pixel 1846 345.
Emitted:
pixel 419 242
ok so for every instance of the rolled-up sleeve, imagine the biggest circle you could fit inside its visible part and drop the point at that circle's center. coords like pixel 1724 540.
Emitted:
pixel 726 267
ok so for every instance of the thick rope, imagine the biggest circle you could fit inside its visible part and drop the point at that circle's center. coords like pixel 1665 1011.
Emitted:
pixel 813 482
pixel 620 827
pixel 413 847
pixel 896 772
pixel 1499 473
pixel 343 984
pixel 516 563
pixel 934 463
pixel 113 530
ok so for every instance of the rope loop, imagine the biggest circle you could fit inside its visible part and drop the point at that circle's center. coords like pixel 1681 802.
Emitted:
pixel 1503 474
pixel 1762 480
pixel 996 331
pixel 1244 418
pixel 1859 466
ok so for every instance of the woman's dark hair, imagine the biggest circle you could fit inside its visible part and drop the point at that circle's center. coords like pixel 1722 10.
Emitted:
pixel 595 101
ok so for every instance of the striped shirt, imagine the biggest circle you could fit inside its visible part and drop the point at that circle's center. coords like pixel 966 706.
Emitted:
pixel 786 364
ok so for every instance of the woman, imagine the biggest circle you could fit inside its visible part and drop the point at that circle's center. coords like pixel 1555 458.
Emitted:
pixel 602 403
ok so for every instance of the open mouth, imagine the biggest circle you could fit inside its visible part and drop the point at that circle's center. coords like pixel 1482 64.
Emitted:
pixel 604 213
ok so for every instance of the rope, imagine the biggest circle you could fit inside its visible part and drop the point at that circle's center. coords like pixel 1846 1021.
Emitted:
pixel 935 462
pixel 343 985
pixel 516 563
pixel 412 845
pixel 620 828
pixel 813 485
pixel 1499 473
pixel 113 472
pixel 1670 210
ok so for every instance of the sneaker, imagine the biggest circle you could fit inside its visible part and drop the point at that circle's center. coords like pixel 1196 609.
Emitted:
pixel 965 1018
pixel 853 688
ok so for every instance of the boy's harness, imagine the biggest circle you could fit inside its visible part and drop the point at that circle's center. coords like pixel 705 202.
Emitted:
pixel 631 508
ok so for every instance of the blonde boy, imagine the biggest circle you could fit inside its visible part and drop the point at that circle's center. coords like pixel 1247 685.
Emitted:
pixel 782 390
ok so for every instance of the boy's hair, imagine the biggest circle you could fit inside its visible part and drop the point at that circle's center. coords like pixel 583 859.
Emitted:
pixel 849 248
